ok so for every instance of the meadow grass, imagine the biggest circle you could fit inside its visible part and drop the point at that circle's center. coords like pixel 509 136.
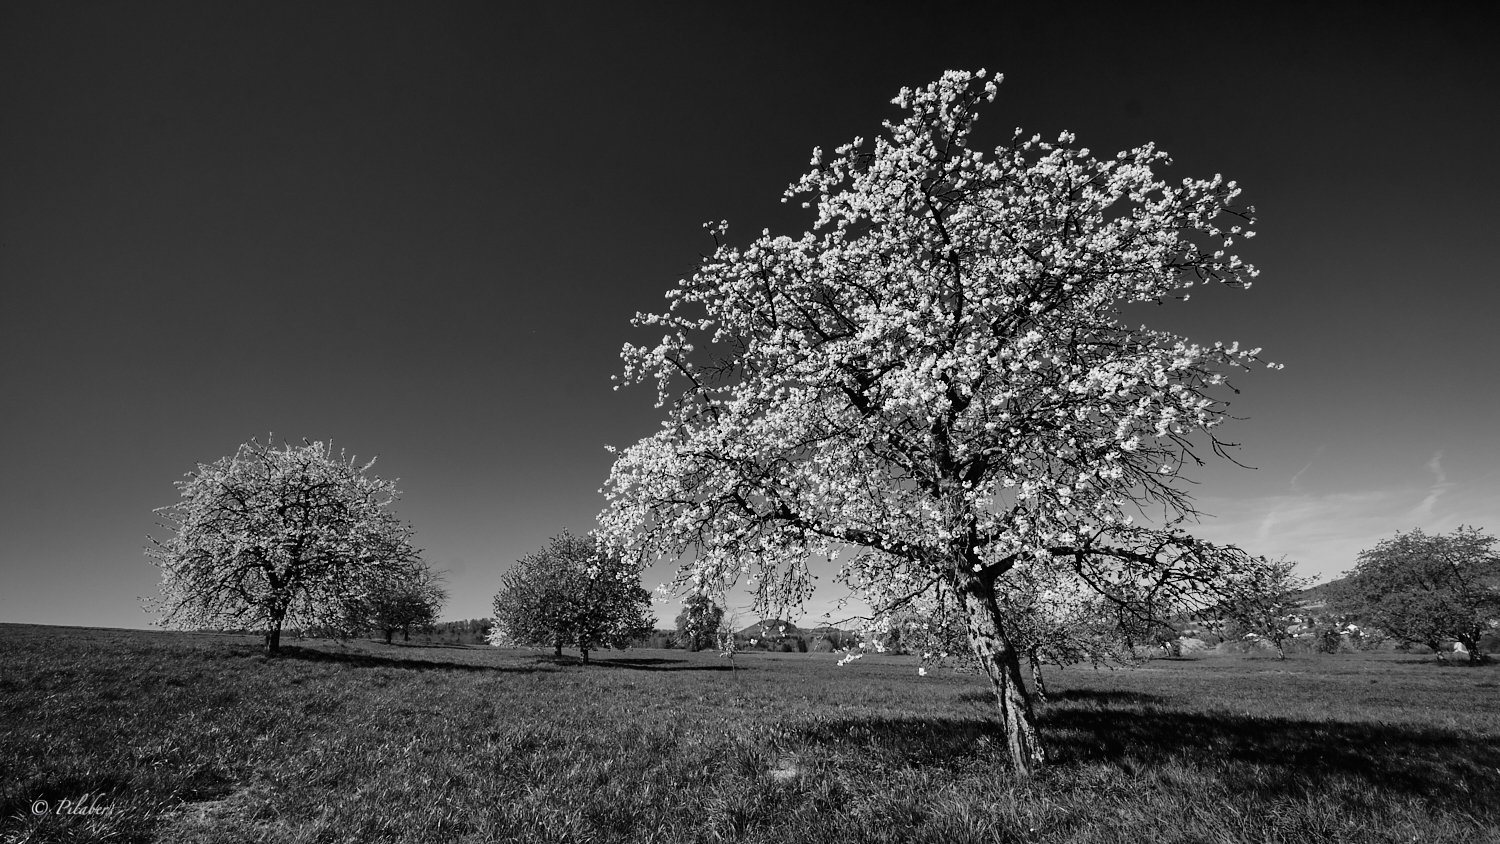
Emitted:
pixel 200 738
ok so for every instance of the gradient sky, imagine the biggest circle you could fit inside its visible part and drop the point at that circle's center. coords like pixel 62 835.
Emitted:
pixel 421 230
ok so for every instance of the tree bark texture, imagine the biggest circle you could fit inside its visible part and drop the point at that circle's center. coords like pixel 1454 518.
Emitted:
pixel 1038 684
pixel 273 638
pixel 1002 663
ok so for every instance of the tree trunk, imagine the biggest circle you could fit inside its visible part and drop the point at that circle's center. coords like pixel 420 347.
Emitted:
pixel 1003 665
pixel 1476 656
pixel 406 632
pixel 585 652
pixel 388 633
pixel 1037 683
pixel 557 649
pixel 273 638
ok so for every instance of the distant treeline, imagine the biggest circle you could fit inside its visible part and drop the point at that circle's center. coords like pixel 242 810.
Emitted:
pixel 473 631
pixel 767 636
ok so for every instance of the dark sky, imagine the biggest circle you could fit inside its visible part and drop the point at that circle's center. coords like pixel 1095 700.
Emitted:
pixel 421 230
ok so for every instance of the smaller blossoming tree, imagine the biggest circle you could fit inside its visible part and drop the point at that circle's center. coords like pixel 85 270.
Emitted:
pixel 412 600
pixel 698 623
pixel 271 537
pixel 1263 609
pixel 1424 589
pixel 571 593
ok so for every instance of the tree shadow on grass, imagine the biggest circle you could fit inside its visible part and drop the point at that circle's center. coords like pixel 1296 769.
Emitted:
pixel 428 645
pixel 659 664
pixel 367 660
pixel 1273 757
pixel 944 743
pixel 1427 762
pixel 1089 697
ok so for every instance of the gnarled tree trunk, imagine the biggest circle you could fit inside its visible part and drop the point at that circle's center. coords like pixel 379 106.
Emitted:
pixel 1002 663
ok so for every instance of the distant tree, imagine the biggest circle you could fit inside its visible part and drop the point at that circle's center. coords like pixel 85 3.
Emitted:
pixel 274 537
pixel 939 383
pixel 412 600
pixel 572 593
pixel 1263 607
pixel 1426 590
pixel 698 623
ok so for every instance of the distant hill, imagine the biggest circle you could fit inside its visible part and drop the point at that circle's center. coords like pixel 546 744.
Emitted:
pixel 771 628
pixel 1319 595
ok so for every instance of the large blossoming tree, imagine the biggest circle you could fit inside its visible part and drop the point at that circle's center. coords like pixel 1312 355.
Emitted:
pixel 935 386
pixel 271 537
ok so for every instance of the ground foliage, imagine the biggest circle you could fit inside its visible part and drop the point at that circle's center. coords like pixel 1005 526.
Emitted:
pixel 199 738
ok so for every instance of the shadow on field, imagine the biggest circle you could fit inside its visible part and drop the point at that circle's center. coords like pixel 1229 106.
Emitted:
pixel 658 664
pixel 1269 756
pixel 1089 697
pixel 365 660
pixel 919 742
pixel 427 645
pixel 1289 756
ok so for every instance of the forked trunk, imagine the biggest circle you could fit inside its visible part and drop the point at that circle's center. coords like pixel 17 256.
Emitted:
pixel 1002 663
pixel 1037 683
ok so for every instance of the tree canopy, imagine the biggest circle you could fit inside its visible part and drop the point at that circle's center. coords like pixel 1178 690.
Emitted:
pixel 936 386
pixel 1262 608
pixel 571 593
pixel 270 537
pixel 1426 589
pixel 412 599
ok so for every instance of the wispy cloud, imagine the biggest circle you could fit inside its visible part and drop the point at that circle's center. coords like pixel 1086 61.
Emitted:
pixel 1325 533
pixel 1439 486
pixel 1296 482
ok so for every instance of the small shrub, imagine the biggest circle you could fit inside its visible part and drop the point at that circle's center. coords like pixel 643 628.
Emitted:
pixel 1490 642
pixel 1328 641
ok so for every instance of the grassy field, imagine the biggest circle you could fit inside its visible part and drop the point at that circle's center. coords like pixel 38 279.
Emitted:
pixel 198 738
